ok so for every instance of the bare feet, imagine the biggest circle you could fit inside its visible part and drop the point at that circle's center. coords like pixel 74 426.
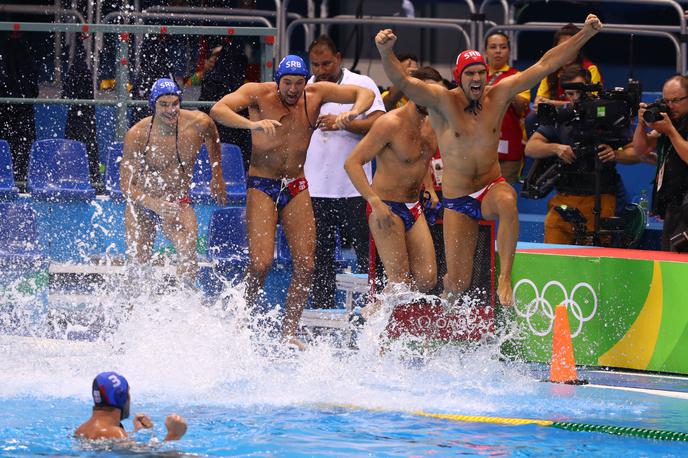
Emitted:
pixel 504 291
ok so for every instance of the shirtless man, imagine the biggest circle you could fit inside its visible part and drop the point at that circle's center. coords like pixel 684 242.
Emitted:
pixel 282 117
pixel 402 142
pixel 467 123
pixel 156 173
pixel 111 402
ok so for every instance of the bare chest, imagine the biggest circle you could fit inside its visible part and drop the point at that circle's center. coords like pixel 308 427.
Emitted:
pixel 170 151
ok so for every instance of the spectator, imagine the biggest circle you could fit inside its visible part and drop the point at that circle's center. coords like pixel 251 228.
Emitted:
pixel 393 97
pixel 576 185
pixel 111 401
pixel 226 74
pixel 205 65
pixel 18 78
pixel 337 205
pixel 511 138
pixel 666 142
pixel 549 90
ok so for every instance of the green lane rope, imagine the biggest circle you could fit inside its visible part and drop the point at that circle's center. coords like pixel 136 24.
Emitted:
pixel 643 433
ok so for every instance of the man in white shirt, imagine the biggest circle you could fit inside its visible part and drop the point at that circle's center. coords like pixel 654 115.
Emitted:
pixel 338 207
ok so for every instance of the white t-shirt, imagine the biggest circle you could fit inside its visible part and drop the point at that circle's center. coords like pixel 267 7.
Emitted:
pixel 327 151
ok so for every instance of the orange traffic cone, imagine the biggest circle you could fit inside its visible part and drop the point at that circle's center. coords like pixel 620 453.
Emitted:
pixel 563 367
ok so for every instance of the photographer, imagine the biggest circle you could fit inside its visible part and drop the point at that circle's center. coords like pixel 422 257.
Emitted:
pixel 575 186
pixel 668 121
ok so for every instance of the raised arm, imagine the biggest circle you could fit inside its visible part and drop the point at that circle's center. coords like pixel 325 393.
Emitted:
pixel 552 60
pixel 365 151
pixel 423 94
pixel 225 110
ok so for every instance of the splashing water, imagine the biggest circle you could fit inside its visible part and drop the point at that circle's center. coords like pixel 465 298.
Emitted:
pixel 182 348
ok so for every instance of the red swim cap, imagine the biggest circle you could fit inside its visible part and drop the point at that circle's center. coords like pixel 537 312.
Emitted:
pixel 466 58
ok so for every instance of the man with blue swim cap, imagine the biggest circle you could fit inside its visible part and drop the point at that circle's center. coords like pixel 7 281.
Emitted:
pixel 111 401
pixel 282 118
pixel 156 174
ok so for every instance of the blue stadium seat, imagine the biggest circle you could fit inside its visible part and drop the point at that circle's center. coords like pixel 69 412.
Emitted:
pixel 7 188
pixel 232 172
pixel 227 240
pixel 19 243
pixel 114 156
pixel 58 169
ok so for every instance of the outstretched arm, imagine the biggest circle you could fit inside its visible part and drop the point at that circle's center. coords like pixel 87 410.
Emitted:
pixel 423 94
pixel 553 59
pixel 225 111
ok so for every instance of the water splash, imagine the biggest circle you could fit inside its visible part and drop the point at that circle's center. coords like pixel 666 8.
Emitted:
pixel 180 347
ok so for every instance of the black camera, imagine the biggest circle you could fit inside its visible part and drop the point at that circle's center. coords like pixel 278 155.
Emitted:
pixel 653 112
pixel 599 116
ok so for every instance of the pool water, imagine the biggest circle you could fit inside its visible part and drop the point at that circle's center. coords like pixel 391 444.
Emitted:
pixel 242 396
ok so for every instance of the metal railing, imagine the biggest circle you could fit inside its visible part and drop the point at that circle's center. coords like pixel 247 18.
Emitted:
pixel 669 3
pixel 184 17
pixel 608 28
pixel 49 11
pixel 449 24
pixel 123 100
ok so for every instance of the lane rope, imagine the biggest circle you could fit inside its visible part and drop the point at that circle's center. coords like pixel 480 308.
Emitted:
pixel 629 431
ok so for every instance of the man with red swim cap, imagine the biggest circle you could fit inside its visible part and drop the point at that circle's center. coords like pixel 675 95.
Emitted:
pixel 467 123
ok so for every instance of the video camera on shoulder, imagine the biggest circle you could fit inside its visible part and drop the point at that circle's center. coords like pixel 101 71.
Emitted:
pixel 653 111
pixel 599 116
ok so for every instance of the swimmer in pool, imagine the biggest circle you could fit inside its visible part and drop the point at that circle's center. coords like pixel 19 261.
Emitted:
pixel 156 174
pixel 467 123
pixel 282 118
pixel 402 142
pixel 111 402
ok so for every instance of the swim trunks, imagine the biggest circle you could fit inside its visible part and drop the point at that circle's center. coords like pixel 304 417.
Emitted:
pixel 275 188
pixel 470 205
pixel 409 213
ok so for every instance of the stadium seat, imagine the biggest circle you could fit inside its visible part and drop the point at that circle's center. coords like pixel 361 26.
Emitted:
pixel 227 240
pixel 19 243
pixel 232 171
pixel 7 188
pixel 58 169
pixel 114 156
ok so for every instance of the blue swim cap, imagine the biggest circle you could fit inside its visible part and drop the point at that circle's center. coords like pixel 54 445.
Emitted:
pixel 163 86
pixel 110 389
pixel 291 65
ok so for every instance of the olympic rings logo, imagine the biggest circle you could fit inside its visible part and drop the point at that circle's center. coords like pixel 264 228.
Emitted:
pixel 539 306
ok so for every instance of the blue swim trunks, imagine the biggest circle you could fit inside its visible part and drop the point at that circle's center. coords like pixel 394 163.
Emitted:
pixel 470 205
pixel 409 213
pixel 280 191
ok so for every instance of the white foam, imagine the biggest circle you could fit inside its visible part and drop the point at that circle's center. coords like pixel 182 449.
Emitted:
pixel 179 348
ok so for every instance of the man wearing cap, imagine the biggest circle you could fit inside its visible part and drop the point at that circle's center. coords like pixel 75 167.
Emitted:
pixel 282 118
pixel 111 402
pixel 467 123
pixel 156 174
